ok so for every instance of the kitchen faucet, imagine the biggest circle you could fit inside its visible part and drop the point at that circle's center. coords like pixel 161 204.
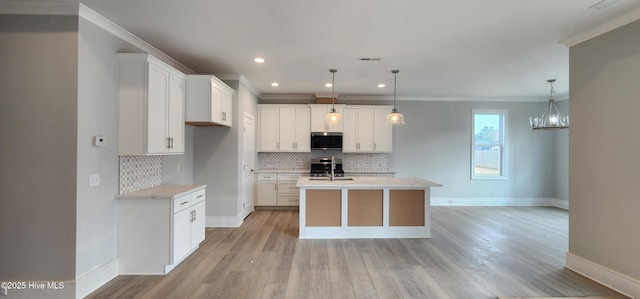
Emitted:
pixel 333 168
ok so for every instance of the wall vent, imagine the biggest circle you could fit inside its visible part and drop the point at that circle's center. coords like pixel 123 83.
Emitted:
pixel 369 58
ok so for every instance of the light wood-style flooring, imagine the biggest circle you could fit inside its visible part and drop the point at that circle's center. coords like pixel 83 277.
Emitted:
pixel 475 252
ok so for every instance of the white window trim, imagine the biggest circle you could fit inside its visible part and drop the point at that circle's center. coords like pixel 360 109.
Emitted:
pixel 505 161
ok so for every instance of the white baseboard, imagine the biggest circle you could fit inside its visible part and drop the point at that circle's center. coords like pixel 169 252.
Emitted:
pixel 91 281
pixel 504 201
pixel 617 281
pixel 223 221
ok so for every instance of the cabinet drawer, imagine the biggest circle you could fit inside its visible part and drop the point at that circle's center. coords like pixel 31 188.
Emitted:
pixel 288 200
pixel 198 196
pixel 181 203
pixel 289 176
pixel 267 177
pixel 288 188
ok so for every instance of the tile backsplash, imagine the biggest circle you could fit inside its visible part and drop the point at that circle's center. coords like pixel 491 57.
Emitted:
pixel 139 172
pixel 301 161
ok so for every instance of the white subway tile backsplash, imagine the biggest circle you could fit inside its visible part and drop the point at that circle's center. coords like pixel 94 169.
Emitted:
pixel 139 172
pixel 301 161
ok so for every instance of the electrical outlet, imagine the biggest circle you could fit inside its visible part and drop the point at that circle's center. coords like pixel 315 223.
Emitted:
pixel 94 180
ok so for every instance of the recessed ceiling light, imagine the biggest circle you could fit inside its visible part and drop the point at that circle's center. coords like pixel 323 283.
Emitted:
pixel 328 85
pixel 381 85
pixel 259 60
pixel 275 84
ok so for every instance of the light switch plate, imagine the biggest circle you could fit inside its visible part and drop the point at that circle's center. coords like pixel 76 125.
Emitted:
pixel 94 180
pixel 99 141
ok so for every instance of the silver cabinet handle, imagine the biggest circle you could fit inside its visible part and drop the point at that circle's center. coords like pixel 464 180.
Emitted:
pixel 184 203
pixel 200 196
pixel 224 116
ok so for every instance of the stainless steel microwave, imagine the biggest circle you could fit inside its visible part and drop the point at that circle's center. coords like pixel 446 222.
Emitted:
pixel 326 141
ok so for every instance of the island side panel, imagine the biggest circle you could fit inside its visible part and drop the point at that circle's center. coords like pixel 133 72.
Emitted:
pixel 365 207
pixel 407 208
pixel 323 208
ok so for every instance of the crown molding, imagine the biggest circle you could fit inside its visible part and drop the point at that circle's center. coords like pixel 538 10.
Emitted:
pixel 300 97
pixel 631 16
pixel 115 29
pixel 240 78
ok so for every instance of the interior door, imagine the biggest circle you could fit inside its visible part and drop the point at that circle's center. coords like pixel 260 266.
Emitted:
pixel 248 160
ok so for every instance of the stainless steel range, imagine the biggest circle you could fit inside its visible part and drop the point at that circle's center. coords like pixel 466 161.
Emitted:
pixel 322 167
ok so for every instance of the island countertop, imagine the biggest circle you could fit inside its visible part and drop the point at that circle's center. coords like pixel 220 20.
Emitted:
pixel 365 182
pixel 161 192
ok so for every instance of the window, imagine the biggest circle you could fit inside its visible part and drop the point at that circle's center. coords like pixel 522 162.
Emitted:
pixel 488 146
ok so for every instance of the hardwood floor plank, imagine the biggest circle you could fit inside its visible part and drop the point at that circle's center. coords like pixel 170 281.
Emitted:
pixel 475 252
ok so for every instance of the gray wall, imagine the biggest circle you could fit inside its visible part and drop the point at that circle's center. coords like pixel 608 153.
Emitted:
pixel 38 115
pixel 98 87
pixel 562 157
pixel 435 145
pixel 604 147
pixel 218 153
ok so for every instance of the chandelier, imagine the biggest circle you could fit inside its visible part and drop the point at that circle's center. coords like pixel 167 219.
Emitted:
pixel 551 119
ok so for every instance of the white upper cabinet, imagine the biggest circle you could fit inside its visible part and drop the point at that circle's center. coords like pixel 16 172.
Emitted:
pixel 209 101
pixel 318 113
pixel 382 131
pixel 269 121
pixel 152 96
pixel 366 130
pixel 284 128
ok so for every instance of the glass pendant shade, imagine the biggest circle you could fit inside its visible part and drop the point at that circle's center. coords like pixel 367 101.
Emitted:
pixel 333 117
pixel 551 118
pixel 395 117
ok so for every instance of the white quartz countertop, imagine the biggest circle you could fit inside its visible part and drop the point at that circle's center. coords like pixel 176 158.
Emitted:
pixel 307 171
pixel 162 192
pixel 366 182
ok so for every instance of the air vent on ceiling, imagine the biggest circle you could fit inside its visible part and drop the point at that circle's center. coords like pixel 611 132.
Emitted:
pixel 369 58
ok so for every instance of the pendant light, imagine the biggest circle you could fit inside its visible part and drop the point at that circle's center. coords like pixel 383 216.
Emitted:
pixel 395 118
pixel 551 119
pixel 333 117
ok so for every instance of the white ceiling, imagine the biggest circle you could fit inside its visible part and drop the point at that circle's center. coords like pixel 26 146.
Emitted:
pixel 498 49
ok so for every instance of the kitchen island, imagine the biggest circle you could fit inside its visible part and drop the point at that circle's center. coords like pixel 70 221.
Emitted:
pixel 365 207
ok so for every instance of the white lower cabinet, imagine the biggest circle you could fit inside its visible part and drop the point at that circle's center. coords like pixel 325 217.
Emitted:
pixel 156 234
pixel 267 190
pixel 278 189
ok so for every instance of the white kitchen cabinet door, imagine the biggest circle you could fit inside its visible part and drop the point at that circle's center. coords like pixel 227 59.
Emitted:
pixel 157 88
pixel 269 120
pixel 365 130
pixel 350 130
pixel 303 130
pixel 175 122
pixel 181 234
pixel 266 193
pixel 197 224
pixel 151 106
pixel 287 126
pixel 209 101
pixel 221 106
pixel 382 131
